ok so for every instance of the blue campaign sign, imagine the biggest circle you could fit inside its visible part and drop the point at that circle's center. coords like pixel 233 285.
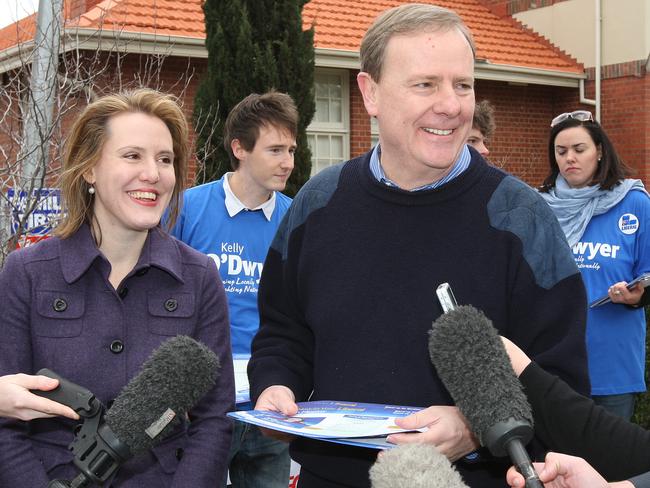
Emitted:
pixel 44 215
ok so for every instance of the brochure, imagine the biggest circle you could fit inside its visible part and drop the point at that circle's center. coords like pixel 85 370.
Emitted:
pixel 644 279
pixel 353 423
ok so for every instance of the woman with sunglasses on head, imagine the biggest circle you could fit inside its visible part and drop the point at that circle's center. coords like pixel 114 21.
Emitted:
pixel 94 301
pixel 605 217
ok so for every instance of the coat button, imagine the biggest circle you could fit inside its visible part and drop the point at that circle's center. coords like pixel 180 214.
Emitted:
pixel 122 292
pixel 171 304
pixel 59 305
pixel 179 453
pixel 117 346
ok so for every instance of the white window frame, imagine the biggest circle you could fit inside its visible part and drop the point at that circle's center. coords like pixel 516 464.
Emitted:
pixel 341 128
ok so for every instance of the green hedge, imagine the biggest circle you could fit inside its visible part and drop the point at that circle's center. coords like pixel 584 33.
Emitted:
pixel 642 410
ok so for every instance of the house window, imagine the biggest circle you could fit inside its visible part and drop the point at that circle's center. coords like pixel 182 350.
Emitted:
pixel 328 134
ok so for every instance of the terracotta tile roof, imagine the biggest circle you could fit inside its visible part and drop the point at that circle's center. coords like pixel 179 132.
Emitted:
pixel 339 24
pixel 20 32
pixel 183 18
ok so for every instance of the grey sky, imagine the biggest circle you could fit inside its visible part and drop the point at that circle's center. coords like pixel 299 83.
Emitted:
pixel 11 10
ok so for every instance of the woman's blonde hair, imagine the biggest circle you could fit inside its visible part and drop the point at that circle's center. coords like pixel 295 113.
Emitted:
pixel 88 136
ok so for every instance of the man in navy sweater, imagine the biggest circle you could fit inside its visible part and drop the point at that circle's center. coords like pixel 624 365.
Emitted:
pixel 347 294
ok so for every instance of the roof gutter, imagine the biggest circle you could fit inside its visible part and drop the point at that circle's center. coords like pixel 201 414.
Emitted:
pixel 14 57
pixel 145 43
pixel 110 41
pixel 134 42
pixel 338 58
pixel 524 75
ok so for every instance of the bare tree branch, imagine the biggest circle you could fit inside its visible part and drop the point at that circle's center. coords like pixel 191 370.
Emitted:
pixel 83 75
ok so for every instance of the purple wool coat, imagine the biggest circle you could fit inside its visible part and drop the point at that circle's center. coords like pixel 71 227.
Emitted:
pixel 100 339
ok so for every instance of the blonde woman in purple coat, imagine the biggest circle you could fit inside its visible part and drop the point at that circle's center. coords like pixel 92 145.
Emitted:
pixel 94 301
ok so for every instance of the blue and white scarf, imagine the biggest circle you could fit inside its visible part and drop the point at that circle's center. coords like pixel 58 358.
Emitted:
pixel 574 207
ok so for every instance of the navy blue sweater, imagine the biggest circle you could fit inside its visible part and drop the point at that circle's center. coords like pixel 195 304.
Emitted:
pixel 347 296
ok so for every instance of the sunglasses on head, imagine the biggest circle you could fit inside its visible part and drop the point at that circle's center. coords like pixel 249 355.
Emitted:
pixel 581 115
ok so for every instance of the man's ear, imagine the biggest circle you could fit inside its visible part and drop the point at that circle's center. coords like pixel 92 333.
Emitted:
pixel 368 89
pixel 238 150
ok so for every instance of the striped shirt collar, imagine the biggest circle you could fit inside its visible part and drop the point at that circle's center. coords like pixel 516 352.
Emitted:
pixel 461 164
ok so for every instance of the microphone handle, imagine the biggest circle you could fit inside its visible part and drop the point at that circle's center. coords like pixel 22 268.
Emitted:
pixel 70 394
pixel 81 481
pixel 519 457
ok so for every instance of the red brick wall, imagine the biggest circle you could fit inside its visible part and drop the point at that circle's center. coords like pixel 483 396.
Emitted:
pixel 359 119
pixel 625 115
pixel 646 136
pixel 523 114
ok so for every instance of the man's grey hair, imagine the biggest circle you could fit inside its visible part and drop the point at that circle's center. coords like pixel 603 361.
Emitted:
pixel 406 19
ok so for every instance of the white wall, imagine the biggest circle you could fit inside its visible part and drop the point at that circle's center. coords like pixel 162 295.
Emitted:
pixel 625 34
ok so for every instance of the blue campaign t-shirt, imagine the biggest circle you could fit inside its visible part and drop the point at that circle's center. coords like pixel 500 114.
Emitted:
pixel 237 244
pixel 615 247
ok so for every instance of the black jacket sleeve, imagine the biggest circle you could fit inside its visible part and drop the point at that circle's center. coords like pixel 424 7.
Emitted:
pixel 570 423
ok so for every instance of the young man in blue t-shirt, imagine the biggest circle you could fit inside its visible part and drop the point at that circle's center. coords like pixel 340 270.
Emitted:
pixel 234 220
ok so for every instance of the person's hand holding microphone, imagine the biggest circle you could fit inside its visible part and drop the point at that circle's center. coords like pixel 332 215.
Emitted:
pixel 16 401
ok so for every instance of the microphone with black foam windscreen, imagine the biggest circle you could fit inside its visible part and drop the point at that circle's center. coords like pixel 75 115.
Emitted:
pixel 414 466
pixel 171 381
pixel 471 361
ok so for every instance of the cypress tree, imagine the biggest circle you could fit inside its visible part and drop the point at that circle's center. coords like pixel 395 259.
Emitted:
pixel 253 46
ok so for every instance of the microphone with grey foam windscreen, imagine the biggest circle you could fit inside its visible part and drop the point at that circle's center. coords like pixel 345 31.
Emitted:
pixel 414 466
pixel 471 361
